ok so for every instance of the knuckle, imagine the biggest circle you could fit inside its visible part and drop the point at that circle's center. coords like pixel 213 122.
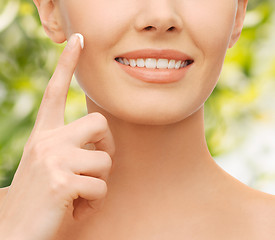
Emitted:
pixel 101 188
pixel 100 120
pixel 58 183
pixel 43 152
pixel 98 115
pixel 107 161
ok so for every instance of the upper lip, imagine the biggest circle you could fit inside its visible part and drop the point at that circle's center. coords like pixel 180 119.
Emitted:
pixel 156 53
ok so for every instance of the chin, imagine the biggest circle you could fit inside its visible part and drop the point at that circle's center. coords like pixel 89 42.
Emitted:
pixel 153 116
pixel 145 110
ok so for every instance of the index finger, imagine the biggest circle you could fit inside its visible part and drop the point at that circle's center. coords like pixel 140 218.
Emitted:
pixel 52 108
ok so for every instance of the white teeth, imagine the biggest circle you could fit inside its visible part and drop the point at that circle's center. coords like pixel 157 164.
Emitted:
pixel 133 63
pixel 153 63
pixel 178 65
pixel 184 64
pixel 162 63
pixel 120 60
pixel 126 62
pixel 140 63
pixel 172 64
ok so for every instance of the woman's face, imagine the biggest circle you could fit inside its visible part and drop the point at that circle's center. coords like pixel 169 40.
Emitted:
pixel 199 30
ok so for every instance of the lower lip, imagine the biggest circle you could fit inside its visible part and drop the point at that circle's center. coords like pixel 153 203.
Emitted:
pixel 155 75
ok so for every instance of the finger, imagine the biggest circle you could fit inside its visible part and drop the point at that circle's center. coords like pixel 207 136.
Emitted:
pixel 90 163
pixel 92 128
pixel 51 112
pixel 90 188
pixel 92 194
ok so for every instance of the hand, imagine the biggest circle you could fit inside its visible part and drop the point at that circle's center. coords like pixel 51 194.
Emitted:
pixel 56 172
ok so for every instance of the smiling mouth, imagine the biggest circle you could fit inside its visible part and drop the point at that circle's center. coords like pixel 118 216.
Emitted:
pixel 154 63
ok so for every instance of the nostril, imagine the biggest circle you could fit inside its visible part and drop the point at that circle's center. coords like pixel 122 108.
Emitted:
pixel 171 29
pixel 148 28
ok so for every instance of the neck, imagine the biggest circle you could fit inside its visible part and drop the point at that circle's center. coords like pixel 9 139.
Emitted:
pixel 147 155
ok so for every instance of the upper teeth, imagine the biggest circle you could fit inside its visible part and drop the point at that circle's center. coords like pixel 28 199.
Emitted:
pixel 154 63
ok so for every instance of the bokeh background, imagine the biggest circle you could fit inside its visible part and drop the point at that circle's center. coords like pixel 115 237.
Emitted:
pixel 240 114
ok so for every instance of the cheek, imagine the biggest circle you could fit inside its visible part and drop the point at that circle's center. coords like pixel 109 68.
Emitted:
pixel 103 28
pixel 101 22
pixel 210 25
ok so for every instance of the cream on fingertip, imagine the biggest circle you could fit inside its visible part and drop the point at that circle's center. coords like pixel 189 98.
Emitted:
pixel 81 39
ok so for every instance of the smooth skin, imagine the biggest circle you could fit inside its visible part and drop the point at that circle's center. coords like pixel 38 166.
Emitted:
pixel 151 167
pixel 56 164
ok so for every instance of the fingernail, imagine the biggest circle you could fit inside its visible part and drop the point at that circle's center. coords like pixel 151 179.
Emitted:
pixel 81 39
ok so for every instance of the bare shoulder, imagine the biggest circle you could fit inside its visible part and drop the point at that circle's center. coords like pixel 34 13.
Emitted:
pixel 262 213
pixel 253 210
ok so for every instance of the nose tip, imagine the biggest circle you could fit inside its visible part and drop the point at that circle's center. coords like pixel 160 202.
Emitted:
pixel 159 17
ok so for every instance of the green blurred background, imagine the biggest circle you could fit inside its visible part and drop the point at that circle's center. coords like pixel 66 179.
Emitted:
pixel 240 114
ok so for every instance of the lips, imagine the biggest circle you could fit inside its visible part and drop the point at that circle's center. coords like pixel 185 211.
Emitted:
pixel 160 73
pixel 158 54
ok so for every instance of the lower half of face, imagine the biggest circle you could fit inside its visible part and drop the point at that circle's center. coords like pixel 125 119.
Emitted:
pixel 202 30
